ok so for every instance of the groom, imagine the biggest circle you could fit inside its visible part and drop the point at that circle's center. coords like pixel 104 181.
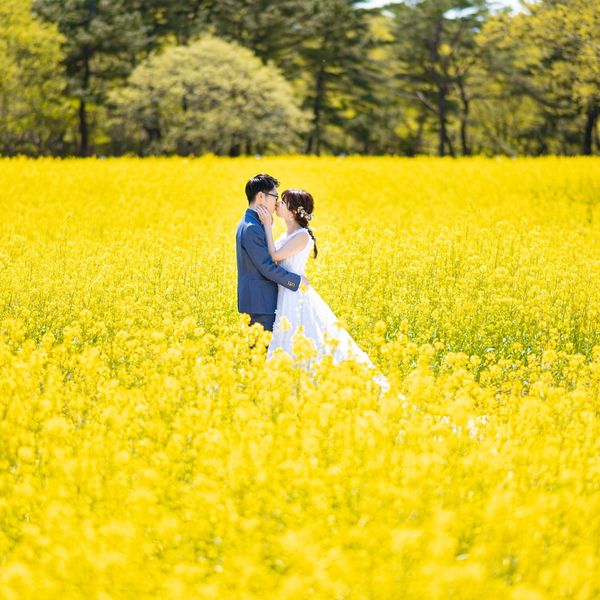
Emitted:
pixel 258 275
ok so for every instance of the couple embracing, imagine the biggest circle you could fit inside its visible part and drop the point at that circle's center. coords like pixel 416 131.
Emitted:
pixel 272 286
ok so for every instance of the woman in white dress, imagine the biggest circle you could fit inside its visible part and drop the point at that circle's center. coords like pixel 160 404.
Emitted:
pixel 304 308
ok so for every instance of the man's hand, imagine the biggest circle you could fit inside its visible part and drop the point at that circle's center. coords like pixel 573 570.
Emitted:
pixel 264 215
pixel 304 281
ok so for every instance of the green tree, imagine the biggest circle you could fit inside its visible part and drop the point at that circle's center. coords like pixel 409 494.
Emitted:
pixel 173 20
pixel 337 69
pixel 322 46
pixel 31 105
pixel 272 29
pixel 209 96
pixel 435 46
pixel 552 55
pixel 569 35
pixel 101 41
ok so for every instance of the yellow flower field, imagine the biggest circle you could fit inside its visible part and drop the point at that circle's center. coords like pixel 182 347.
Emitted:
pixel 147 452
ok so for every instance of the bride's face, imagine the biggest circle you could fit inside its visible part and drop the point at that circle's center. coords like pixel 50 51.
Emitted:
pixel 283 211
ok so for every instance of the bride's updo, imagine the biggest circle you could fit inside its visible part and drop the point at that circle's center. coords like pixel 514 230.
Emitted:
pixel 301 203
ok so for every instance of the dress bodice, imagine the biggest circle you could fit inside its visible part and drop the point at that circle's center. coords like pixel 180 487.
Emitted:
pixel 297 263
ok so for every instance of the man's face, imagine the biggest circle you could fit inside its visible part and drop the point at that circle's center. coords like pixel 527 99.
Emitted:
pixel 269 199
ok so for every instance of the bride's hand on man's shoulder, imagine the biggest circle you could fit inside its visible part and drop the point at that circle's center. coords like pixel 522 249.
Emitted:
pixel 264 215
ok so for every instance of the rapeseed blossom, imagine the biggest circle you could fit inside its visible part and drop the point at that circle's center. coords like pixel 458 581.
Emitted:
pixel 147 449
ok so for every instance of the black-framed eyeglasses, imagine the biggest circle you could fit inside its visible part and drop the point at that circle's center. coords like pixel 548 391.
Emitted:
pixel 276 196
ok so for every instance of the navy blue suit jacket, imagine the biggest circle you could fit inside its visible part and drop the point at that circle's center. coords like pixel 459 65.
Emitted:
pixel 258 275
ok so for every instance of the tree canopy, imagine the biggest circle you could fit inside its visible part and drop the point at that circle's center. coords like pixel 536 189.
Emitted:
pixel 210 95
pixel 32 106
pixel 452 77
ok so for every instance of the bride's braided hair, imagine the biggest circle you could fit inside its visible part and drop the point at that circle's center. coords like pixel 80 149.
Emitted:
pixel 301 203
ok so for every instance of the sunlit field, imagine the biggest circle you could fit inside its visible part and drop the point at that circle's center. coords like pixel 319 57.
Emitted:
pixel 147 451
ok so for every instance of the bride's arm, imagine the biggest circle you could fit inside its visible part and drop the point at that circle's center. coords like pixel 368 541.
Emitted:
pixel 295 245
pixel 270 242
pixel 266 218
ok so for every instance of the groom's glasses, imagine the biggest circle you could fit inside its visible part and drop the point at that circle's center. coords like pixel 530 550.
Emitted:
pixel 276 196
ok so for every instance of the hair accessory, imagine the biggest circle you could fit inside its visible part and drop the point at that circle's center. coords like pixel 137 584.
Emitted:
pixel 303 214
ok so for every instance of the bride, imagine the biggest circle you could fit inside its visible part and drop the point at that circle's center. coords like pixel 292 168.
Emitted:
pixel 307 308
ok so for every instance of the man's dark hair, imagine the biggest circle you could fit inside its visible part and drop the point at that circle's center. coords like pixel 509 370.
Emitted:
pixel 260 183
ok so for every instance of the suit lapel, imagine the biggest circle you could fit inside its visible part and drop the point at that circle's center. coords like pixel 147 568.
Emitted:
pixel 253 215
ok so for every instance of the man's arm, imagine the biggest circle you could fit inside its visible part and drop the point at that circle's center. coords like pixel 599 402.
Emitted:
pixel 255 244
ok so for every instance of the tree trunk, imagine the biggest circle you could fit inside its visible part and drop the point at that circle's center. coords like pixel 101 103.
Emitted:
pixel 83 128
pixel 590 125
pixel 87 55
pixel 313 145
pixel 449 144
pixel 83 121
pixel 464 120
pixel 434 51
pixel 443 136
pixel 418 141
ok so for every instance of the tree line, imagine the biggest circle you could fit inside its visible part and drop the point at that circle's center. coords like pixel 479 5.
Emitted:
pixel 445 77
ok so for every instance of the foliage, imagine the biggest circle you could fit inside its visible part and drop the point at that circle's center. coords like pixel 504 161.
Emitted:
pixel 101 40
pixel 208 96
pixel 551 56
pixel 338 72
pixel 436 50
pixel 31 104
pixel 414 77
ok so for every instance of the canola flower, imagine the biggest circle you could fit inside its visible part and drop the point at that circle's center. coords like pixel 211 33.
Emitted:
pixel 147 450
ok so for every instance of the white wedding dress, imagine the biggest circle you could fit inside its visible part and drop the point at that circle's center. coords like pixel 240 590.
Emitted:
pixel 308 309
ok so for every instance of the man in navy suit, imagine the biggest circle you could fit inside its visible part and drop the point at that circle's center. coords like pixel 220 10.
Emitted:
pixel 258 275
